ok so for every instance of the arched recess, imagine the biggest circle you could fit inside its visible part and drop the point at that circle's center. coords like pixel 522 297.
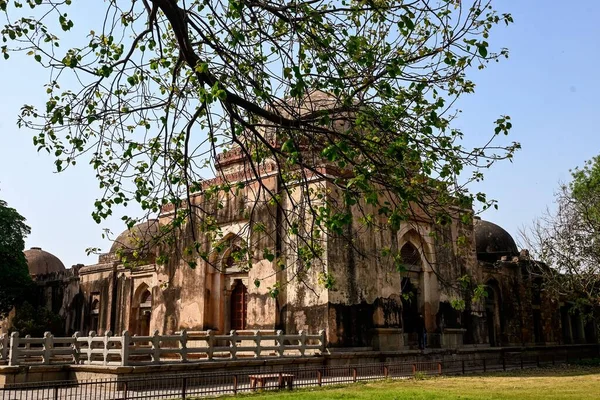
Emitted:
pixel 493 313
pixel 238 306
pixel 418 258
pixel 412 289
pixel 226 271
pixel 141 311
pixel 75 314
pixel 95 313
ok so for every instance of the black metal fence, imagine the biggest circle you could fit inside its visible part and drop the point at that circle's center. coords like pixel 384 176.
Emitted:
pixel 188 386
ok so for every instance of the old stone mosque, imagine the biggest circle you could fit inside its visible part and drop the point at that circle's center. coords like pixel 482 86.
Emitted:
pixel 365 308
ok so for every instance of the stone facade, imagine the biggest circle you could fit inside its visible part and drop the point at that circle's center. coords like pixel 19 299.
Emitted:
pixel 370 305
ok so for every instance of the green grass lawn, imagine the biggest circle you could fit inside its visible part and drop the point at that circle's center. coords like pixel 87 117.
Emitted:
pixel 573 382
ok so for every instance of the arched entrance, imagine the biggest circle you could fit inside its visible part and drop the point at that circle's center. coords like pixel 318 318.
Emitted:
pixel 95 315
pixel 145 311
pixel 412 292
pixel 492 313
pixel 239 301
pixel 141 311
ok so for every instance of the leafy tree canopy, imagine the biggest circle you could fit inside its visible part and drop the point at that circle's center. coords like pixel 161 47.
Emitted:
pixel 567 241
pixel 13 265
pixel 585 190
pixel 158 88
pixel 35 321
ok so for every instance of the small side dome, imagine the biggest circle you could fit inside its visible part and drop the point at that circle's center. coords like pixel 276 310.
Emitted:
pixel 492 242
pixel 139 235
pixel 41 262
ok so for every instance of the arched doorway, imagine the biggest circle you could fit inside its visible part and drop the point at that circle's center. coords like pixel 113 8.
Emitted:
pixel 492 313
pixel 239 301
pixel 410 308
pixel 95 315
pixel 141 311
pixel 75 314
pixel 145 311
pixel 412 293
pixel 225 310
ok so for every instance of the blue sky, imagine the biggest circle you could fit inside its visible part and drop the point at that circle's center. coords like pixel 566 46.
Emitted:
pixel 549 86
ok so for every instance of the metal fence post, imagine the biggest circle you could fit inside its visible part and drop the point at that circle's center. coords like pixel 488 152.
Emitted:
pixel 521 356
pixel 354 374
pixel 184 388
pixel 386 371
pixel 125 390
pixel 319 377
pixel 463 366
pixel 235 384
pixel 439 368
pixel 484 366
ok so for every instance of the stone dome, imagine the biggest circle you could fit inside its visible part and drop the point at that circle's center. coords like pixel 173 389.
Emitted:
pixel 492 242
pixel 41 262
pixel 140 234
pixel 313 100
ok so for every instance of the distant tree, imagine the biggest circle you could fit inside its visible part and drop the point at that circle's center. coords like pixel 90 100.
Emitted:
pixel 35 321
pixel 153 90
pixel 567 241
pixel 14 273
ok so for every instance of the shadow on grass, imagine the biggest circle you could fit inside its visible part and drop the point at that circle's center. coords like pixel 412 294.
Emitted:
pixel 558 370
pixel 445 386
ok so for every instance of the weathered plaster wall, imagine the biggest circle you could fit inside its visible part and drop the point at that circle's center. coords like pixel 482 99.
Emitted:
pixel 98 279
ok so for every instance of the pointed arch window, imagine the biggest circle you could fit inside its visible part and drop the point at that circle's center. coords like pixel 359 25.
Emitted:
pixel 235 257
pixel 146 299
pixel 410 256
pixel 95 313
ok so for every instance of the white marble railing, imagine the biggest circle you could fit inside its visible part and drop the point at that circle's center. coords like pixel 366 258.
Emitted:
pixel 157 349
pixel 4 340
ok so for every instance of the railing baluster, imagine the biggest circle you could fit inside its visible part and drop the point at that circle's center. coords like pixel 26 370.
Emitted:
pixel 183 345
pixel 257 340
pixel 233 343
pixel 125 342
pixel 302 342
pixel 211 344
pixel 13 355
pixel 281 343
pixel 155 348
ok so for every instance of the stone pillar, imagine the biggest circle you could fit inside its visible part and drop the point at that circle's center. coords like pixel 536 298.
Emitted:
pixel 430 291
pixel 226 315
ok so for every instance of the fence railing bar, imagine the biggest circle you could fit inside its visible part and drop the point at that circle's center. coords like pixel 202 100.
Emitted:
pixel 156 349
